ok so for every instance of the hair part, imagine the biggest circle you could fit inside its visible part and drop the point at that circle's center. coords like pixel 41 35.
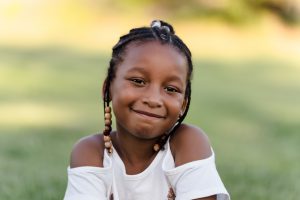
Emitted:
pixel 158 31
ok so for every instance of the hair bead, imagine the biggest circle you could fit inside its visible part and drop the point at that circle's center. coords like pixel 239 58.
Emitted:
pixel 156 147
pixel 106 133
pixel 106 138
pixel 107 122
pixel 107 116
pixel 107 144
pixel 107 109
pixel 107 129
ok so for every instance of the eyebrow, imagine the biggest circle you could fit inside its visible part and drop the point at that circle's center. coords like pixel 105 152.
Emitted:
pixel 138 69
pixel 175 78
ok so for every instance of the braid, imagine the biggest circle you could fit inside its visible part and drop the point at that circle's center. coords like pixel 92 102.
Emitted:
pixel 163 32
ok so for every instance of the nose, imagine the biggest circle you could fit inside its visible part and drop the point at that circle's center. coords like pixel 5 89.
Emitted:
pixel 152 97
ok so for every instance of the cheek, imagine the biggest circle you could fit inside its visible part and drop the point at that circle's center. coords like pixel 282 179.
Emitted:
pixel 175 105
pixel 123 93
pixel 122 97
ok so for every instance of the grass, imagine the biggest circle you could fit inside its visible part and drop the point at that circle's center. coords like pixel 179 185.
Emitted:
pixel 50 97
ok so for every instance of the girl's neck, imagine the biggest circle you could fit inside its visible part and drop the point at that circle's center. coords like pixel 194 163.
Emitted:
pixel 136 154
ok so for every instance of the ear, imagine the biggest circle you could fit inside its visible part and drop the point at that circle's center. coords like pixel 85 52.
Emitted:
pixel 103 90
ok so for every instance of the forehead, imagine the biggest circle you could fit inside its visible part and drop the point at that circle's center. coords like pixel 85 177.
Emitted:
pixel 155 56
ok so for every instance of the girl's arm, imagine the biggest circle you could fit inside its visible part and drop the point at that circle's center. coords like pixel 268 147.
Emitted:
pixel 87 178
pixel 190 144
pixel 88 152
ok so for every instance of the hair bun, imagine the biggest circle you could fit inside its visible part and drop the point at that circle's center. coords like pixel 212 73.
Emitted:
pixel 162 25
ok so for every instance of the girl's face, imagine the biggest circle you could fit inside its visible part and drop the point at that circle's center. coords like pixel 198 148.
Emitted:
pixel 148 91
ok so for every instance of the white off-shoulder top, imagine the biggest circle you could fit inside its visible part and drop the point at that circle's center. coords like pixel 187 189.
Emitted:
pixel 192 180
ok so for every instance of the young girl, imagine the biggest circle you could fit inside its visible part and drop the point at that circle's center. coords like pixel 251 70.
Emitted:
pixel 151 155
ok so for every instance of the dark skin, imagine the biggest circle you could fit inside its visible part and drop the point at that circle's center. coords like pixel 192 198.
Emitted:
pixel 147 100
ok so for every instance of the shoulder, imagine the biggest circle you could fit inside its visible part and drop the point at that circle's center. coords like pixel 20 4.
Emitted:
pixel 188 144
pixel 88 151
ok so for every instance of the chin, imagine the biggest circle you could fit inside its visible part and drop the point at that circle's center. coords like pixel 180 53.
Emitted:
pixel 147 134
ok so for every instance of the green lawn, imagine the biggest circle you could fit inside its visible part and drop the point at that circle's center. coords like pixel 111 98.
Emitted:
pixel 51 97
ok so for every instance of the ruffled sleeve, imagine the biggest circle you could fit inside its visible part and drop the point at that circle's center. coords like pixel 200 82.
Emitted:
pixel 89 183
pixel 196 179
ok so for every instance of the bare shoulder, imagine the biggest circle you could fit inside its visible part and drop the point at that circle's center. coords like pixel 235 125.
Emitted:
pixel 188 144
pixel 88 151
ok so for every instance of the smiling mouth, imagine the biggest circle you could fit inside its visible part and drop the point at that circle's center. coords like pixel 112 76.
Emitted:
pixel 147 114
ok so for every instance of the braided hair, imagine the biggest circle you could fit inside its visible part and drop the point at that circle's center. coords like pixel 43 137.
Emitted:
pixel 158 31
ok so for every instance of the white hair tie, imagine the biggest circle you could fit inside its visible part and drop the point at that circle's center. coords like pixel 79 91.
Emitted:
pixel 156 23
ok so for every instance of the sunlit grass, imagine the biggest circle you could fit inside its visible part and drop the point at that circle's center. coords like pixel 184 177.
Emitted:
pixel 51 97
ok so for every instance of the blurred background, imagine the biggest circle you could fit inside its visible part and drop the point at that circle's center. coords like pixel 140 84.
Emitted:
pixel 246 87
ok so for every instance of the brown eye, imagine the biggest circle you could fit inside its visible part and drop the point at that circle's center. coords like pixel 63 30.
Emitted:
pixel 137 81
pixel 172 89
